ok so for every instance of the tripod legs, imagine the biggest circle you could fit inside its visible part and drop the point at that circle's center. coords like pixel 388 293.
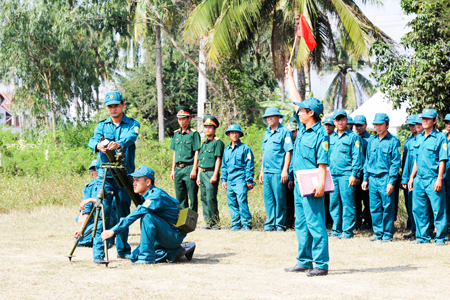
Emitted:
pixel 99 208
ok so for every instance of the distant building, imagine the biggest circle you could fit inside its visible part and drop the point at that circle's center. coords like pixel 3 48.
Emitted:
pixel 9 120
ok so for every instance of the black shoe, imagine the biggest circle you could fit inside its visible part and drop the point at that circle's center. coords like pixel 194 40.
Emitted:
pixel 298 269
pixel 409 236
pixel 207 228
pixel 375 239
pixel 187 250
pixel 266 229
pixel 317 272
pixel 126 256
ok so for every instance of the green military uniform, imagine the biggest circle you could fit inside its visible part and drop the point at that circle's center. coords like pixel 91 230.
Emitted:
pixel 185 143
pixel 211 149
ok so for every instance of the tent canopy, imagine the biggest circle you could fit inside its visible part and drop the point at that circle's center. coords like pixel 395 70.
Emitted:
pixel 377 104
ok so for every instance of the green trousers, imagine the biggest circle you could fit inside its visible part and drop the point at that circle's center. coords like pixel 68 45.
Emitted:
pixel 209 198
pixel 185 188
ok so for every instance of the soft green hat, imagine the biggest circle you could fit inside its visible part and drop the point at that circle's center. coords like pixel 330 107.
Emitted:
pixel 234 127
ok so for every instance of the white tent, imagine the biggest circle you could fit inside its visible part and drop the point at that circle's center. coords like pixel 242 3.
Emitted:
pixel 379 103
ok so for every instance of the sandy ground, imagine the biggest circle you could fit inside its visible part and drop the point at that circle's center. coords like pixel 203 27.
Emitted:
pixel 226 265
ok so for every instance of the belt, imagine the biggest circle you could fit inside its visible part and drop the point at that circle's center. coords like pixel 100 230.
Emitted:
pixel 207 169
pixel 184 164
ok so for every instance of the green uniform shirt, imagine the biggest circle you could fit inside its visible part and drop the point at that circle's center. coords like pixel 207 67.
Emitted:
pixel 185 144
pixel 208 152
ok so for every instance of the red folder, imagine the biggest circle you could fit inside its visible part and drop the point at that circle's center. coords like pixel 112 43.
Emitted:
pixel 308 179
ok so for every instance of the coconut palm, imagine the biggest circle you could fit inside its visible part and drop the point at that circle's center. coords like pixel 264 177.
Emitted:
pixel 349 87
pixel 229 25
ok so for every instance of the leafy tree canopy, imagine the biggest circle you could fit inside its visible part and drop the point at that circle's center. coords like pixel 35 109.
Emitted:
pixel 421 78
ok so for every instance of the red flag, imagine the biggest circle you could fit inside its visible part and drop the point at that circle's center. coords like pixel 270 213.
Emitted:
pixel 304 31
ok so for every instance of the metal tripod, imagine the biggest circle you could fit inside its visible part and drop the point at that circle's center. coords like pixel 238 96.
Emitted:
pixel 98 208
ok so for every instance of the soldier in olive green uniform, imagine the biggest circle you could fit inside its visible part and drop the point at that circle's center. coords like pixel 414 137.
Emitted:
pixel 209 162
pixel 186 145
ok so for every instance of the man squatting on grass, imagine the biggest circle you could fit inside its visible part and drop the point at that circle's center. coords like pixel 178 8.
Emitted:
pixel 160 240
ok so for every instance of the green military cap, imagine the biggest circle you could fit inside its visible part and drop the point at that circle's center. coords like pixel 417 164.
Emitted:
pixel 234 127
pixel 183 111
pixel 113 98
pixel 94 165
pixel 292 126
pixel 210 120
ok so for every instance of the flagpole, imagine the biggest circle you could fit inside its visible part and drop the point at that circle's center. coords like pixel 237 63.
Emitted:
pixel 292 52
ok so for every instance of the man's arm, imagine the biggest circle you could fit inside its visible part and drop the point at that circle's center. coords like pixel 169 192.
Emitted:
pixel 217 165
pixel 172 173
pixel 411 178
pixel 438 183
pixel 95 140
pixel 249 167
pixel 356 160
pixel 131 136
pixel 320 189
pixel 193 174
pixel 124 223
pixel 287 162
pixel 293 92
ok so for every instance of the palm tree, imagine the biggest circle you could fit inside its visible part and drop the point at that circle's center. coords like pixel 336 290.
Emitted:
pixel 349 86
pixel 229 25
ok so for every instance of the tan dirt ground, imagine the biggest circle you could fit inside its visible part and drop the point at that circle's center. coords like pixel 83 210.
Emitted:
pixel 226 265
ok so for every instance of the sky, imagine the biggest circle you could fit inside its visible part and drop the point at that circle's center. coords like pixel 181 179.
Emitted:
pixel 389 18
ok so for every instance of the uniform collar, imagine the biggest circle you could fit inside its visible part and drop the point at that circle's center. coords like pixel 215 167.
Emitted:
pixel 366 134
pixel 433 133
pixel 315 127
pixel 125 119
pixel 148 192
pixel 237 144
pixel 276 129
pixel 188 130
pixel 347 132
pixel 209 140
pixel 387 136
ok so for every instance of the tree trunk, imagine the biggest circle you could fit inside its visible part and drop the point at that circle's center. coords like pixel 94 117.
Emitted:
pixel 202 89
pixel 171 38
pixel 54 124
pixel 301 82
pixel 307 68
pixel 159 84
pixel 283 90
pixel 76 107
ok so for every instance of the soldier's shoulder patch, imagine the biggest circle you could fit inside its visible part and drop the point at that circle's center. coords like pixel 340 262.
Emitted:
pixel 287 140
pixel 249 155
pixel 445 145
pixel 178 130
pixel 136 129
pixel 193 130
pixel 357 144
pixel 147 203
pixel 217 138
pixel 325 145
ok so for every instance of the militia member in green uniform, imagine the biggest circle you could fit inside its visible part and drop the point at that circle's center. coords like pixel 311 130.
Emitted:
pixel 186 145
pixel 209 163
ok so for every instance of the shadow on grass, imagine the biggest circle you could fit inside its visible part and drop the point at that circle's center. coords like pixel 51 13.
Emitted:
pixel 210 259
pixel 375 270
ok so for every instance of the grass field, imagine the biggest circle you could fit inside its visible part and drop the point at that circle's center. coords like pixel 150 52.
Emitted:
pixel 226 265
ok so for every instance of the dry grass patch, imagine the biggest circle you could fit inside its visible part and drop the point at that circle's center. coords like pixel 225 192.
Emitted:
pixel 226 265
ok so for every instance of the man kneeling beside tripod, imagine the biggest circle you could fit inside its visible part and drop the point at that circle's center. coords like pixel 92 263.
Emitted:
pixel 160 239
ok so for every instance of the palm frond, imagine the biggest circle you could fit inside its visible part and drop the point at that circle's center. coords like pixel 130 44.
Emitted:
pixel 202 19
pixel 351 93
pixel 236 21
pixel 330 95
pixel 356 30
